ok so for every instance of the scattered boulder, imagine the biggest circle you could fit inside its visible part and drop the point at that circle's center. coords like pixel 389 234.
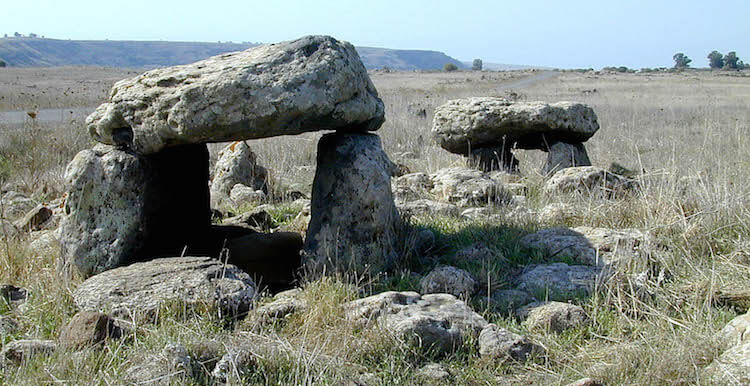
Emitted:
pixel 34 219
pixel 411 186
pixel 477 252
pixel 88 328
pixel 141 288
pixel 564 155
pixel 233 365
pixel 736 331
pixel 587 245
pixel 236 169
pixel 257 219
pixel 488 128
pixel 434 372
pixel 309 84
pixel 464 186
pixel 424 207
pixel 354 218
pixel 588 179
pixel 172 365
pixel 732 367
pixel 586 382
pixel 241 194
pixel 437 321
pixel 19 351
pixel 556 213
pixel 558 281
pixel 553 316
pixel 499 343
pixel 451 280
pixel 284 304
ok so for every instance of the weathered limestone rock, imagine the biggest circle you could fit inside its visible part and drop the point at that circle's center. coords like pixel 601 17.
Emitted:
pixel 437 321
pixel 736 332
pixel 411 186
pixel 139 289
pixel 592 246
pixel 123 207
pixel 558 281
pixel 472 123
pixel 354 218
pixel 171 366
pixel 563 155
pixel 309 84
pixel 557 212
pixel 88 328
pixel 732 367
pixel 451 280
pixel 237 164
pixel 20 351
pixel 284 304
pixel 427 207
pixel 434 372
pixel 499 343
pixel 553 316
pixel 464 186
pixel 241 194
pixel 588 179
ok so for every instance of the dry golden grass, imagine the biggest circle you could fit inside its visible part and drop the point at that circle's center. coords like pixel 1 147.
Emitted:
pixel 686 133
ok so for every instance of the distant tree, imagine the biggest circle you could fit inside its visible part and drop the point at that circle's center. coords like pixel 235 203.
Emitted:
pixel 476 65
pixel 715 59
pixel 450 67
pixel 2 63
pixel 730 61
pixel 16 34
pixel 32 35
pixel 5 36
pixel 681 60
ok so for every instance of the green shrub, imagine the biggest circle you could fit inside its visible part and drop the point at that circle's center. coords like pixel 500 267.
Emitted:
pixel 450 67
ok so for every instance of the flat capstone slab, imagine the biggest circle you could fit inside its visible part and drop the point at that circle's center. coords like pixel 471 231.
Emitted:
pixel 461 125
pixel 309 84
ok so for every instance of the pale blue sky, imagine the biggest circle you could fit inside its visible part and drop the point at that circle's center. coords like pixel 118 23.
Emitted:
pixel 575 33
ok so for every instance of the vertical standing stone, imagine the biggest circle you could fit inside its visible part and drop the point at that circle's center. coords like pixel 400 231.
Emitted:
pixel 562 155
pixel 353 215
pixel 105 209
pixel 123 207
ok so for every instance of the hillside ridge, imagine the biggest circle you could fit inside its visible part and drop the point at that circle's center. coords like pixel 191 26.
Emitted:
pixel 43 52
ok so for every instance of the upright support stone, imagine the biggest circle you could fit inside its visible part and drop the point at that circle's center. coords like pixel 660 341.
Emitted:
pixel 353 216
pixel 563 155
pixel 123 207
pixel 105 210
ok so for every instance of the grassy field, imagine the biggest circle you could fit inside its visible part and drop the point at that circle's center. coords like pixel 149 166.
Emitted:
pixel 686 135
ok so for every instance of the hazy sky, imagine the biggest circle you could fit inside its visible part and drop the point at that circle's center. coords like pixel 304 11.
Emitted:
pixel 576 33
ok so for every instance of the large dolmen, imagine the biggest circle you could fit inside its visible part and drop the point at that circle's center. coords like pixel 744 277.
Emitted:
pixel 143 191
pixel 486 129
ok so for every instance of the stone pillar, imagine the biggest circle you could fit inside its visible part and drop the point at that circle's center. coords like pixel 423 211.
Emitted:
pixel 563 155
pixel 354 220
pixel 123 207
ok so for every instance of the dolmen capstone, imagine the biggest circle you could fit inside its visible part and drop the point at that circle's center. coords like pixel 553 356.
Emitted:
pixel 486 129
pixel 142 192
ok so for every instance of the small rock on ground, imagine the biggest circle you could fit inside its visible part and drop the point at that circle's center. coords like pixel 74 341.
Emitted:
pixel 552 316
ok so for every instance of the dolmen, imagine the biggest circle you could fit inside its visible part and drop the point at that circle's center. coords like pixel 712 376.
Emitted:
pixel 486 129
pixel 143 191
